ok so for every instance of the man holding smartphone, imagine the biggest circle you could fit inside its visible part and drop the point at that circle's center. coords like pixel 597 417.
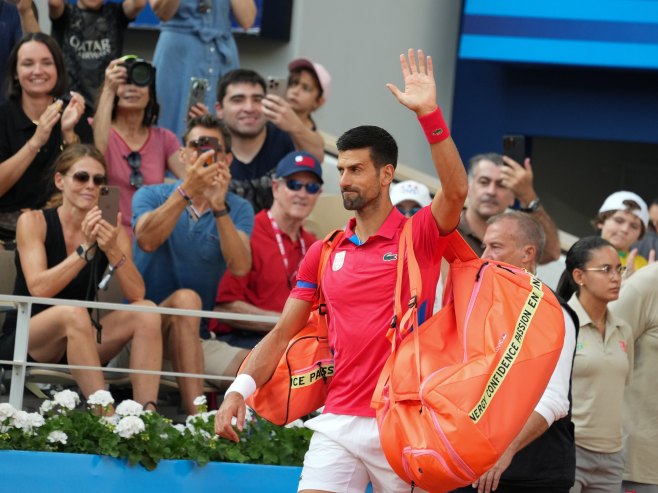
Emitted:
pixel 495 182
pixel 187 234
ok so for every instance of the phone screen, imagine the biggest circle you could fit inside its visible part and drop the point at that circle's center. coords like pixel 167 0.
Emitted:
pixel 108 203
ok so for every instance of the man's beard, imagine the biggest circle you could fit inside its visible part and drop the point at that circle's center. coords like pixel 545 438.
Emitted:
pixel 354 203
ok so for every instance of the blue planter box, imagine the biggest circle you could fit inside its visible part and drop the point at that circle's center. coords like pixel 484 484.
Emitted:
pixel 66 473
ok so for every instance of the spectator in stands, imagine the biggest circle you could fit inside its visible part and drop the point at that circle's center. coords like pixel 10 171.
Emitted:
pixel 309 84
pixel 35 124
pixel 495 181
pixel 17 17
pixel 410 196
pixel 638 305
pixel 650 239
pixel 90 33
pixel 137 151
pixel 278 245
pixel 622 220
pixel 263 129
pixel 602 365
pixel 542 456
pixel 195 41
pixel 62 253
pixel 187 233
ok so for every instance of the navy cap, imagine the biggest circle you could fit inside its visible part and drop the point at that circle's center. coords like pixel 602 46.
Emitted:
pixel 296 162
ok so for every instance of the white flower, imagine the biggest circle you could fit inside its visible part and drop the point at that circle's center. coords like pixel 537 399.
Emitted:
pixel 6 411
pixel 111 420
pixel 58 437
pixel 100 398
pixel 21 420
pixel 46 407
pixel 129 408
pixel 66 399
pixel 200 400
pixel 179 427
pixel 35 420
pixel 298 423
pixel 129 426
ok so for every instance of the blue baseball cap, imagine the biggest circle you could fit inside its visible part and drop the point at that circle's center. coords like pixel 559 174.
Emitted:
pixel 296 162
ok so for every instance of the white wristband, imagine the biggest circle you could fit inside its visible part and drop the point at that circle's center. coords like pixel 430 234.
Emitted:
pixel 243 384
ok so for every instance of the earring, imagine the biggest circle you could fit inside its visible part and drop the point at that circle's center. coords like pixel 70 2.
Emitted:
pixel 581 283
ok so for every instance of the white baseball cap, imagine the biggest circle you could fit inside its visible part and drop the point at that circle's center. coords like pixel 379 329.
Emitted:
pixel 410 190
pixel 320 72
pixel 615 202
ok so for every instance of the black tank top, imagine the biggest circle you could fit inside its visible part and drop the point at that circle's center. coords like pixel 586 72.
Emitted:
pixel 82 287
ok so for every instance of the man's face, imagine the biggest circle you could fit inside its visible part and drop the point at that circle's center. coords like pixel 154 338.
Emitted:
pixel 242 109
pixel 296 204
pixel 486 192
pixel 500 243
pixel 191 151
pixel 361 183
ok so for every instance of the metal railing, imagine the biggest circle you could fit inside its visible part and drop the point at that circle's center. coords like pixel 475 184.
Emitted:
pixel 23 304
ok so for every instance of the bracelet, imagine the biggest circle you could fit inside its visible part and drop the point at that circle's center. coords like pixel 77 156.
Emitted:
pixel 105 281
pixel 76 140
pixel 121 261
pixel 224 212
pixel 184 194
pixel 243 384
pixel 434 126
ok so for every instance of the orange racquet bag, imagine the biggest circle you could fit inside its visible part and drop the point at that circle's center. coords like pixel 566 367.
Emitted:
pixel 458 389
pixel 301 379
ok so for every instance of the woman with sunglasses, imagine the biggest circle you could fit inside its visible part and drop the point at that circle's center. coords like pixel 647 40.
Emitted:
pixel 62 252
pixel 602 364
pixel 137 151
pixel 35 125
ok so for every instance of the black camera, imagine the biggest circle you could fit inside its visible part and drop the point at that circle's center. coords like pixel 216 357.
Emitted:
pixel 140 72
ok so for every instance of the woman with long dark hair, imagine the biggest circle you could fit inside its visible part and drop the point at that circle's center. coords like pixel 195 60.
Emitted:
pixel 62 252
pixel 35 125
pixel 602 364
pixel 137 151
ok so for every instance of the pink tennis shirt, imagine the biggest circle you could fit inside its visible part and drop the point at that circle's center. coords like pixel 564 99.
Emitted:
pixel 359 288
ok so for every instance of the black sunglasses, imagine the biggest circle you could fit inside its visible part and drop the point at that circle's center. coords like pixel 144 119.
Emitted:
pixel 83 177
pixel 135 162
pixel 296 186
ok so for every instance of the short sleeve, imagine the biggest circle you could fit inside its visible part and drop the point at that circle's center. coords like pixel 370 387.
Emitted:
pixel 306 286
pixel 146 199
pixel 170 141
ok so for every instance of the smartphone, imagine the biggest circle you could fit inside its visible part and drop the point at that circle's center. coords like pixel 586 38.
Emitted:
pixel 277 85
pixel 198 90
pixel 108 203
pixel 514 146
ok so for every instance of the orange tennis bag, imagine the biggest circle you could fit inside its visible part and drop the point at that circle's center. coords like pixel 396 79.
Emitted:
pixel 458 389
pixel 300 382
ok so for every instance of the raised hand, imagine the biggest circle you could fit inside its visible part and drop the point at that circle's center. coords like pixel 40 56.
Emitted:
pixel 72 113
pixel 115 75
pixel 419 86
pixel 47 121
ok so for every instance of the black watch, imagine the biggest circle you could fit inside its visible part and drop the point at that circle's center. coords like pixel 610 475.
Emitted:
pixel 532 206
pixel 224 212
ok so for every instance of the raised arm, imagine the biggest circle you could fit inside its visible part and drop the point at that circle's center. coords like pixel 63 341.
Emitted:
pixel 420 97
pixel 164 9
pixel 27 12
pixel 244 12
pixel 115 74
pixel 55 8
pixel 132 8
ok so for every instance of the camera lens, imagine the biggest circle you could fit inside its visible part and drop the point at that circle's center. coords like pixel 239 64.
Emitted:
pixel 141 74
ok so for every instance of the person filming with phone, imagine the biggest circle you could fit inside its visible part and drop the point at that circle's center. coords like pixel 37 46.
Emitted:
pixel 62 252
pixel 138 152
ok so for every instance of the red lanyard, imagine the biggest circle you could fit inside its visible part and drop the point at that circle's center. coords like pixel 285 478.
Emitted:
pixel 282 250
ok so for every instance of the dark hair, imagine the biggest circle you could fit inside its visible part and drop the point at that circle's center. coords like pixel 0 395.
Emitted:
pixel 383 149
pixel 69 156
pixel 14 89
pixel 238 76
pixel 529 231
pixel 152 110
pixel 209 121
pixel 294 75
pixel 495 158
pixel 578 255
pixel 631 206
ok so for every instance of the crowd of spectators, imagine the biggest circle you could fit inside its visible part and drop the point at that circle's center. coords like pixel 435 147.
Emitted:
pixel 226 233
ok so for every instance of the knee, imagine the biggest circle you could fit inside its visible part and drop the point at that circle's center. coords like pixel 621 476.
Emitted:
pixel 147 321
pixel 76 320
pixel 186 299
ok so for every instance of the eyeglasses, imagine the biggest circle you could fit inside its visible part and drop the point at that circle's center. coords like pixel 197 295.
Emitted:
pixel 203 144
pixel 83 177
pixel 296 186
pixel 608 269
pixel 408 212
pixel 135 162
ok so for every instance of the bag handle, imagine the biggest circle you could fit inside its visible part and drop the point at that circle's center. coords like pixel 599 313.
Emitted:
pixel 328 245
